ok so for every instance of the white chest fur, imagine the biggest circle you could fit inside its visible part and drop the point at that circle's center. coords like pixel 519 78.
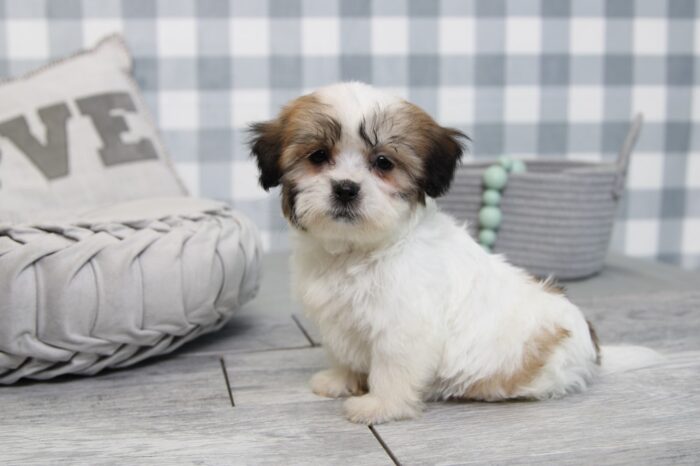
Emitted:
pixel 340 297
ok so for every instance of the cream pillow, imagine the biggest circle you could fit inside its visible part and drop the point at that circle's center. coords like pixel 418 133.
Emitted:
pixel 75 136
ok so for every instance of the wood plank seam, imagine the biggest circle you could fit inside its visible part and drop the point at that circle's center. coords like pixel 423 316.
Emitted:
pixel 217 353
pixel 378 437
pixel 226 379
pixel 384 445
pixel 208 354
pixel 303 330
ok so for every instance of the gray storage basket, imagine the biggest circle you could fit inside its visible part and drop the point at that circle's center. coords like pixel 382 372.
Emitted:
pixel 557 216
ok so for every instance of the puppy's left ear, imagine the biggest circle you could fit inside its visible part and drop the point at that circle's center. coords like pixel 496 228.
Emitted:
pixel 445 149
pixel 266 146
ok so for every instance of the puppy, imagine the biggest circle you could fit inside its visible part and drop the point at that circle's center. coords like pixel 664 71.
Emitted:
pixel 409 306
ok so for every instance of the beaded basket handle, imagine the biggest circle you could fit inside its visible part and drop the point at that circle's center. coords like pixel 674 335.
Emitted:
pixel 496 177
pixel 623 158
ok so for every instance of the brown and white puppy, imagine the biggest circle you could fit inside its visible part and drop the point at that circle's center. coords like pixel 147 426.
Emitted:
pixel 409 306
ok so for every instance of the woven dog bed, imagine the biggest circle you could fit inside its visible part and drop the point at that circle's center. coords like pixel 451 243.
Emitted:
pixel 557 216
pixel 113 288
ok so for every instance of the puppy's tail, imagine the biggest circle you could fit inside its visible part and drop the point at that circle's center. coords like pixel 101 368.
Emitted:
pixel 616 359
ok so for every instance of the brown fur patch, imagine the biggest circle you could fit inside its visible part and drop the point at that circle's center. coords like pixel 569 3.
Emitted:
pixel 535 355
pixel 596 342
pixel 551 286
pixel 548 285
pixel 425 151
pixel 303 126
pixel 289 194
pixel 266 146
pixel 382 133
pixel 307 126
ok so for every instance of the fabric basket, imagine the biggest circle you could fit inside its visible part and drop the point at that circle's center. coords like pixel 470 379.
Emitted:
pixel 557 216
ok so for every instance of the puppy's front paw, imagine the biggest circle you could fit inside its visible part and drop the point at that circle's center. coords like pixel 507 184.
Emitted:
pixel 336 383
pixel 370 409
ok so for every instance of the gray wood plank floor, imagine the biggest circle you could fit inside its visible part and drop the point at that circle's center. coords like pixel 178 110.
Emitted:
pixel 623 415
pixel 667 321
pixel 177 409
pixel 251 330
pixel 266 323
pixel 163 410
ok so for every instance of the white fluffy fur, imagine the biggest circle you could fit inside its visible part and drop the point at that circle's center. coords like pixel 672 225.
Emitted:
pixel 408 303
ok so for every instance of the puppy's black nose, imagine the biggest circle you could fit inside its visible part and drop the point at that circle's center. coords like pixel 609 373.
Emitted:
pixel 345 190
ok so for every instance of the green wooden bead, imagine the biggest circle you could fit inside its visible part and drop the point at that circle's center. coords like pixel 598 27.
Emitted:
pixel 495 177
pixel 506 162
pixel 518 166
pixel 491 197
pixel 487 237
pixel 490 217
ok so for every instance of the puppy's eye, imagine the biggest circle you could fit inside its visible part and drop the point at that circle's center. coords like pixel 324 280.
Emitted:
pixel 319 157
pixel 383 163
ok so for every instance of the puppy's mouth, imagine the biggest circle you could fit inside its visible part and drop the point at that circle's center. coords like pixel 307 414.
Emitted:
pixel 345 214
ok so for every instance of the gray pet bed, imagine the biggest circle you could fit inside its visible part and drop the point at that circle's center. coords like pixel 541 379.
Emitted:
pixel 111 289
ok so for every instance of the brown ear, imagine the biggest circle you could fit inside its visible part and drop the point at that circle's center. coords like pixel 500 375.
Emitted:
pixel 444 151
pixel 266 146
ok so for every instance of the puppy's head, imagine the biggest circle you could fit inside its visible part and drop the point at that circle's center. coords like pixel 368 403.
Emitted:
pixel 354 162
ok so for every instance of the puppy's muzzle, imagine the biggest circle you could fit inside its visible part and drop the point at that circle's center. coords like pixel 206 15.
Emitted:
pixel 345 191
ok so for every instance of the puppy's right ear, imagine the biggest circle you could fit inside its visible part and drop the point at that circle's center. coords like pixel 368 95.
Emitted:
pixel 266 146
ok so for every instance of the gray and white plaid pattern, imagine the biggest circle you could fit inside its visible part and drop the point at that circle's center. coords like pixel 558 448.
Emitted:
pixel 527 78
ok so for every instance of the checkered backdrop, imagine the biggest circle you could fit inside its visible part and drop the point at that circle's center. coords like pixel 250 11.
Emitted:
pixel 527 78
